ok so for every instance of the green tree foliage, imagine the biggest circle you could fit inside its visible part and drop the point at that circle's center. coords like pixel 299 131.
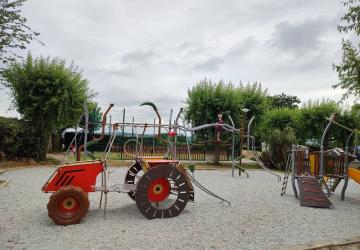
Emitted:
pixel 207 99
pixel 349 68
pixel 284 101
pixel 14 32
pixel 313 120
pixel 278 128
pixel 47 93
pixel 16 139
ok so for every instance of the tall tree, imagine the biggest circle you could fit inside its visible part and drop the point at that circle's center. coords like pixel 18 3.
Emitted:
pixel 349 68
pixel 47 93
pixel 278 128
pixel 284 101
pixel 313 120
pixel 207 99
pixel 14 32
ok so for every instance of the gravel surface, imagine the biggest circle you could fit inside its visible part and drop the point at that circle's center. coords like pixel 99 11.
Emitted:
pixel 258 218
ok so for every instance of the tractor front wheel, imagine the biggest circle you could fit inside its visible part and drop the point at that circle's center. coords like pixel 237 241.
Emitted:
pixel 68 205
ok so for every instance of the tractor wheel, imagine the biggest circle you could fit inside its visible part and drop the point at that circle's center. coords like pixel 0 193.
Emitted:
pixel 68 205
pixel 133 175
pixel 162 192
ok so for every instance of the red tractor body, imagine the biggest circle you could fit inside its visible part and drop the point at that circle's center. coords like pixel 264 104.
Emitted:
pixel 79 174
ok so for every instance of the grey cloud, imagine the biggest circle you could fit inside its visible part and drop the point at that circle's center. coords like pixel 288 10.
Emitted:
pixel 243 47
pixel 211 64
pixel 301 38
pixel 137 56
pixel 240 49
pixel 121 72
pixel 130 63
pixel 190 48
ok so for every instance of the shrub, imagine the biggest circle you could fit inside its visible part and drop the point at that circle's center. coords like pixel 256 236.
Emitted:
pixel 16 139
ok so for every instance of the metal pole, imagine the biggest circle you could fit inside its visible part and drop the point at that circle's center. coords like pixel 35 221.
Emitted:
pixel 123 122
pixel 248 133
pixel 346 167
pixel 341 126
pixel 153 139
pixel 110 126
pixel 86 127
pixel 132 127
pixel 233 148
pixel 293 170
pixel 322 171
pixel 170 145
pixel 242 124
pixel 93 122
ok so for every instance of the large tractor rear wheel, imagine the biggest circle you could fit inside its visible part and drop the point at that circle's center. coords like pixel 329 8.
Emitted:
pixel 162 192
pixel 68 205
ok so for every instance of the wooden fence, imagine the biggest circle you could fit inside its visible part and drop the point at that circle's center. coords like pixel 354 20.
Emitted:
pixel 197 154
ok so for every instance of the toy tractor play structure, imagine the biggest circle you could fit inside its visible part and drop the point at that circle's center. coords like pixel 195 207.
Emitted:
pixel 161 187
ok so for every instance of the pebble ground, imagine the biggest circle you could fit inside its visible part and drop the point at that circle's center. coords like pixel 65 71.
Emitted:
pixel 258 218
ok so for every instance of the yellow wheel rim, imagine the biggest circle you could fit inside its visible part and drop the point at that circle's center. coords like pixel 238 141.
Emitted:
pixel 69 203
pixel 157 189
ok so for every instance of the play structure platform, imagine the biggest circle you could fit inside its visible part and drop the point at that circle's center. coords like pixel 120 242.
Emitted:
pixel 319 173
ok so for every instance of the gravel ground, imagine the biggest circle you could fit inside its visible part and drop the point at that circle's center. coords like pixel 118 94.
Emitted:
pixel 258 218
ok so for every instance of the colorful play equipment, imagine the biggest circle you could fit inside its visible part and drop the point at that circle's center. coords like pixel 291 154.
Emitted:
pixel 161 187
pixel 321 170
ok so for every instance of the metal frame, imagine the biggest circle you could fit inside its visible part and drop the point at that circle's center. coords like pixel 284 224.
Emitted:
pixel 173 129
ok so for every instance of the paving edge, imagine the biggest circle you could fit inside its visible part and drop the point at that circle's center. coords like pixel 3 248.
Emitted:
pixel 320 245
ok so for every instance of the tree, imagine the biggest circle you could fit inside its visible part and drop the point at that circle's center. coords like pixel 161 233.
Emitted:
pixel 278 129
pixel 313 120
pixel 14 32
pixel 207 99
pixel 47 93
pixel 284 101
pixel 349 68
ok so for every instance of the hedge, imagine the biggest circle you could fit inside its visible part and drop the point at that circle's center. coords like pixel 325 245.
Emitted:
pixel 17 140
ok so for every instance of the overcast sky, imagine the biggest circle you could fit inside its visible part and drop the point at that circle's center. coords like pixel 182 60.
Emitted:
pixel 141 50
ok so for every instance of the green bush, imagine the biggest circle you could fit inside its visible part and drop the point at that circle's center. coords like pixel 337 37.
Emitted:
pixel 16 139
pixel 278 131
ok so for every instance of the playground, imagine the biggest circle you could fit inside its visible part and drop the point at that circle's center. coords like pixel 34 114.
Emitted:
pixel 187 125
pixel 258 218
pixel 189 208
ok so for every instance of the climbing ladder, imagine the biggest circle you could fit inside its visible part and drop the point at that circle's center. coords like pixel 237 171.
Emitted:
pixel 286 177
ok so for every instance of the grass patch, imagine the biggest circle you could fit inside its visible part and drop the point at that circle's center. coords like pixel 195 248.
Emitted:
pixel 222 165
pixel 27 162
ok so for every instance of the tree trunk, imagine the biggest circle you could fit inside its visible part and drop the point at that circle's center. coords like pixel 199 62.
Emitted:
pixel 49 143
pixel 217 153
